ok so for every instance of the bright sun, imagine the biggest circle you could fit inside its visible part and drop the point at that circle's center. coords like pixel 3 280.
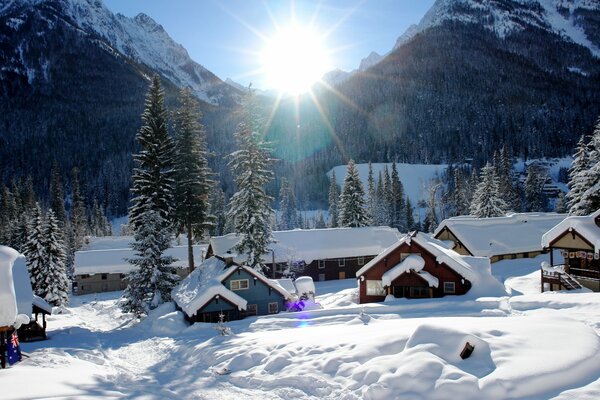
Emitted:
pixel 294 59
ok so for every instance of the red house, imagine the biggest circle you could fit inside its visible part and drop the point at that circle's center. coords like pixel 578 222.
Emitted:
pixel 418 266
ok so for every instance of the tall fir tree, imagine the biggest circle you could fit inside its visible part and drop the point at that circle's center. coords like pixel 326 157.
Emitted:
pixel 486 200
pixel 250 206
pixel 57 195
pixel 151 212
pixel 590 181
pixel 290 219
pixel 219 210
pixel 380 216
pixel 320 221
pixel 504 169
pixel 388 196
pixel 410 219
pixel 352 200
pixel 561 204
pixel 52 280
pixel 397 206
pixel 577 177
pixel 192 173
pixel 151 282
pixel 79 228
pixel 334 197
pixel 535 199
pixel 459 198
pixel 371 196
pixel 34 249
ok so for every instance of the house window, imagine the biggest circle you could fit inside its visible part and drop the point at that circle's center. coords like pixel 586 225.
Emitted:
pixel 341 262
pixel 419 292
pixel 321 264
pixel 321 277
pixel 85 276
pixel 104 277
pixel 273 308
pixel 449 287
pixel 251 309
pixel 239 284
pixel 361 261
pixel 375 288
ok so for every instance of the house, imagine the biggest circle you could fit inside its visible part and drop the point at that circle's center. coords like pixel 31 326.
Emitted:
pixel 419 266
pixel 578 240
pixel 323 254
pixel 235 291
pixel 513 236
pixel 106 270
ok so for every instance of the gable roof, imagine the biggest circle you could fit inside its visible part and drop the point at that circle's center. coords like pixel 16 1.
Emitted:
pixel 314 244
pixel 514 233
pixel 206 282
pixel 585 226
pixel 115 260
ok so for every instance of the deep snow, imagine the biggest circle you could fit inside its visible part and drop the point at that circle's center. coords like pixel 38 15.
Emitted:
pixel 528 345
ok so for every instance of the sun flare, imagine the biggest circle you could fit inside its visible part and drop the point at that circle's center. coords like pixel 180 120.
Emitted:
pixel 294 59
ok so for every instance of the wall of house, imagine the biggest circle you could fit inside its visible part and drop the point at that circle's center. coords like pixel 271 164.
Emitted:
pixel 98 283
pixel 257 293
pixel 446 234
pixel 440 271
pixel 334 268
pixel 572 240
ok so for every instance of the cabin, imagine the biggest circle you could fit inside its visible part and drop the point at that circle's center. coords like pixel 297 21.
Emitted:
pixel 513 236
pixel 106 270
pixel 322 254
pixel 577 238
pixel 219 288
pixel 418 266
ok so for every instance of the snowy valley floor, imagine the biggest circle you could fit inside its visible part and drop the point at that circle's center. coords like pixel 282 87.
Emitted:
pixel 527 346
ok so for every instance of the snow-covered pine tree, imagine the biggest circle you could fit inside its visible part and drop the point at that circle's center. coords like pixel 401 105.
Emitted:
pixel 287 206
pixel 535 199
pixel 57 195
pixel 218 209
pixel 51 279
pixel 192 173
pixel 578 178
pixel 250 206
pixel 389 201
pixel 371 196
pixel 504 169
pixel 410 219
pixel 486 201
pixel 459 199
pixel 151 282
pixel 99 225
pixel 398 216
pixel 380 216
pixel 561 204
pixel 34 249
pixel 79 226
pixel 352 200
pixel 431 219
pixel 334 197
pixel 320 221
pixel 590 199
pixel 153 176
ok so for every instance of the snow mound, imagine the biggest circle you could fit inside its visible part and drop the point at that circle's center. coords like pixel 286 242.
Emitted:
pixel 165 321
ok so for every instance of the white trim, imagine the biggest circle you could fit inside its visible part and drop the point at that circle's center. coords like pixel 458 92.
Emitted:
pixel 341 262
pixel 321 264
pixel 361 260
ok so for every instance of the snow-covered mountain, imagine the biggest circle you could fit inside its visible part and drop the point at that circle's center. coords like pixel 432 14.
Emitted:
pixel 139 39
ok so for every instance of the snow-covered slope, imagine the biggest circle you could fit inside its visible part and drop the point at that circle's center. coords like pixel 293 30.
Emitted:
pixel 505 17
pixel 140 39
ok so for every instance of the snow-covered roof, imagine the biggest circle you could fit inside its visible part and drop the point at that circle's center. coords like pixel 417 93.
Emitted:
pixel 42 304
pixel 115 260
pixel 203 284
pixel 315 244
pixel 585 226
pixel 412 262
pixel 431 280
pixel 287 284
pixel 206 281
pixel 8 301
pixel 514 233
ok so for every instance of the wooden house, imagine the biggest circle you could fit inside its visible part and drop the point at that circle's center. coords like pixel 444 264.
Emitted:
pixel 322 254
pixel 418 266
pixel 577 238
pixel 106 270
pixel 513 236
pixel 235 291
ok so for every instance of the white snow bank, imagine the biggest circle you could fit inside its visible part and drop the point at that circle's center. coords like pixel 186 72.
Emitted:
pixel 412 262
pixel 8 299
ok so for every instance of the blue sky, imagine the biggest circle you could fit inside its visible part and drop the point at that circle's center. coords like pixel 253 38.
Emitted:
pixel 226 36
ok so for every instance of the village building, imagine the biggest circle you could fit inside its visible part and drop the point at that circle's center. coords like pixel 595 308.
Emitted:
pixel 106 270
pixel 322 254
pixel 225 290
pixel 419 266
pixel 499 238
pixel 577 238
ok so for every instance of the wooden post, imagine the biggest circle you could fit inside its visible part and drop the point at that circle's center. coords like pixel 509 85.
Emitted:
pixel 551 257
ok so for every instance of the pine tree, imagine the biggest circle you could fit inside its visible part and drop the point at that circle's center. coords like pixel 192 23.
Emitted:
pixel 58 196
pixel 99 225
pixel 193 175
pixel 388 196
pixel 410 219
pixel 579 178
pixel 250 206
pixel 35 250
pixel 535 198
pixel 431 219
pixel 218 209
pixel 371 196
pixel 561 204
pixel 51 278
pixel 153 176
pixel 459 194
pixel 590 181
pixel 504 168
pixel 290 219
pixel 320 221
pixel 151 282
pixel 79 228
pixel 333 201
pixel 380 207
pixel 486 200
pixel 352 200
pixel 397 206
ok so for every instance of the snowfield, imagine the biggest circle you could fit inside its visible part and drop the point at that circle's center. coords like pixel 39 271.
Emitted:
pixel 527 345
